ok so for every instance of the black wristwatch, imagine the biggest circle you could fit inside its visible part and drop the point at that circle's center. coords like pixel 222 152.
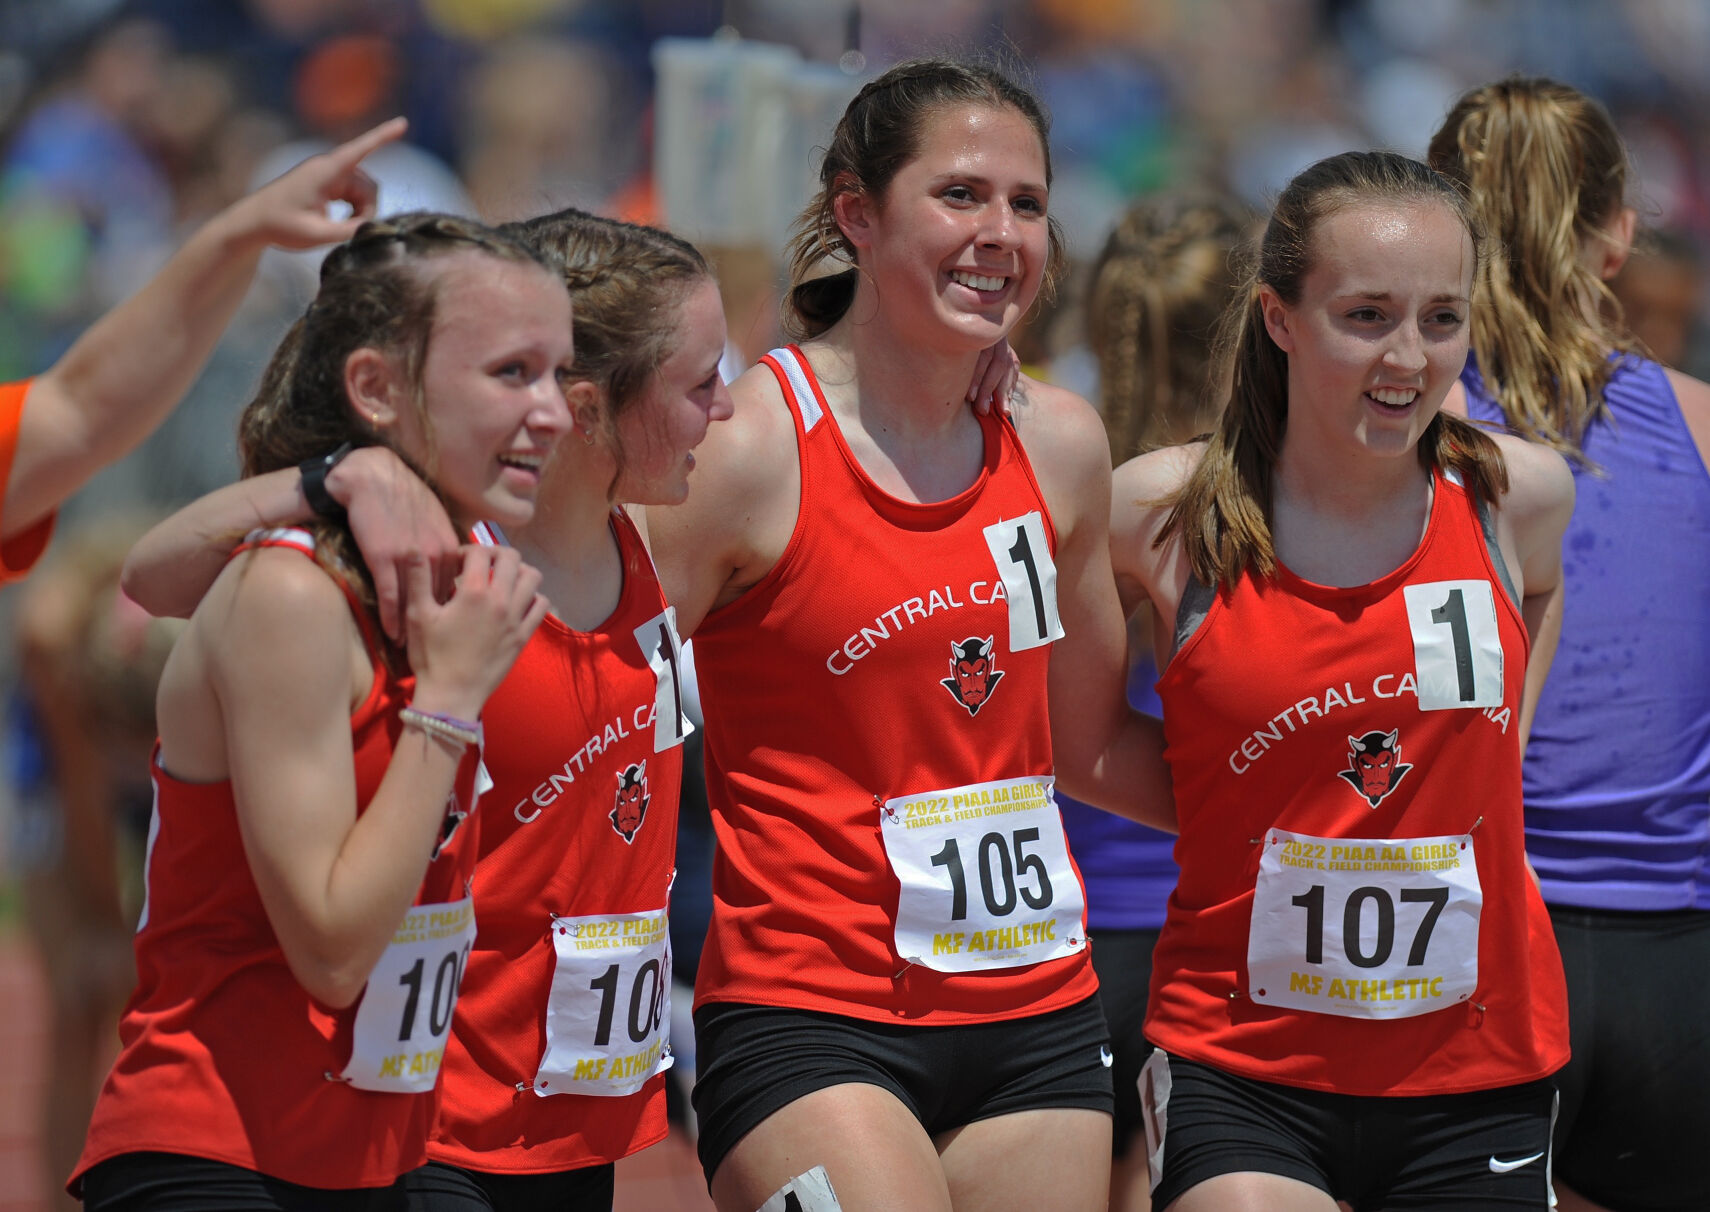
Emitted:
pixel 314 472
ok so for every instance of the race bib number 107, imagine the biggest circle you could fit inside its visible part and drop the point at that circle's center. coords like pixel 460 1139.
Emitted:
pixel 1364 927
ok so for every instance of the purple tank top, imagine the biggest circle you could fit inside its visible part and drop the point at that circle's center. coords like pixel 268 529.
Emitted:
pixel 1617 774
pixel 1127 868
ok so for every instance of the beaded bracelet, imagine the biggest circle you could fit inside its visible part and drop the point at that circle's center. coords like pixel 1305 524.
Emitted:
pixel 448 726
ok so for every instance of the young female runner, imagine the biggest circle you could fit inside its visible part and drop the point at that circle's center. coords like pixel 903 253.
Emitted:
pixel 905 625
pixel 1355 995
pixel 556 1065
pixel 1617 778
pixel 283 1044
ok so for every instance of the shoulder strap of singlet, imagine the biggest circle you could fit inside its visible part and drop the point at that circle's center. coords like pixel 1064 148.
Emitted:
pixel 293 537
pixel 1487 528
pixel 796 377
pixel 488 534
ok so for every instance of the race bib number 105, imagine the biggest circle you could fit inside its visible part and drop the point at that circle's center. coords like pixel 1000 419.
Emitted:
pixel 985 876
pixel 405 1014
pixel 1364 927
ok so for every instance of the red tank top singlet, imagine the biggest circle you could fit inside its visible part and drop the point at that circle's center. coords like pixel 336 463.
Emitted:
pixel 1354 912
pixel 879 751
pixel 224 1055
pixel 557 1057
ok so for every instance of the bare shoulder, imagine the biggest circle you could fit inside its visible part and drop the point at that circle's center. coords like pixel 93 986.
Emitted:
pixel 1066 445
pixel 741 455
pixel 1150 479
pixel 1533 514
pixel 1058 426
pixel 1144 488
pixel 1142 493
pixel 1693 396
pixel 273 606
pixel 1539 479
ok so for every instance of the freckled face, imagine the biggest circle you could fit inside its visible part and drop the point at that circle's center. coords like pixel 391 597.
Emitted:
pixel 1379 333
pixel 960 242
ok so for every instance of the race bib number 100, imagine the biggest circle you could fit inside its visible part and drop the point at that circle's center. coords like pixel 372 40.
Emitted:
pixel 405 1015
pixel 609 1012
pixel 1364 927
pixel 985 875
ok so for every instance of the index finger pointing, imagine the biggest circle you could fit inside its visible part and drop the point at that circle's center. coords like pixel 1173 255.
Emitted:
pixel 348 154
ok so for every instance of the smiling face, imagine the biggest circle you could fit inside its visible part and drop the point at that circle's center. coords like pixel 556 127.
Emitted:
pixel 959 242
pixel 686 394
pixel 491 386
pixel 1379 333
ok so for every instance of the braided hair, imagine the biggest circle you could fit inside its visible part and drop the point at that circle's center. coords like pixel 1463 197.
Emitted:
pixel 627 285
pixel 377 291
pixel 1164 277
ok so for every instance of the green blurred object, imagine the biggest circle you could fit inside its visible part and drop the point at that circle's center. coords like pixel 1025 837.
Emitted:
pixel 44 254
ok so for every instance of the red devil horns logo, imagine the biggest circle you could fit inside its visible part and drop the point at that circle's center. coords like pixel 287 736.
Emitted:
pixel 630 810
pixel 1375 767
pixel 973 673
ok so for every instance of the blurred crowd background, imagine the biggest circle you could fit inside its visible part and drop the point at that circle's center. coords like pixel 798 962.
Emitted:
pixel 126 123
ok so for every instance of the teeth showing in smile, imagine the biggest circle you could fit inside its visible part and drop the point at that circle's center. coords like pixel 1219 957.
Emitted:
pixel 1395 397
pixel 976 281
pixel 526 462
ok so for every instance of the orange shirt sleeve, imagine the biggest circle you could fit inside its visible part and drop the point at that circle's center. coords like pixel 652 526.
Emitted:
pixel 17 555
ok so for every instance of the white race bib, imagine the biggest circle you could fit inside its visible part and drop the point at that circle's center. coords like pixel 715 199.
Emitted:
pixel 1457 645
pixel 1023 559
pixel 985 874
pixel 1364 928
pixel 609 1013
pixel 405 1014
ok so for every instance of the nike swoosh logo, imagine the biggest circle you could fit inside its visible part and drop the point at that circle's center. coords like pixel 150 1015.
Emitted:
pixel 1503 1167
pixel 1104 1057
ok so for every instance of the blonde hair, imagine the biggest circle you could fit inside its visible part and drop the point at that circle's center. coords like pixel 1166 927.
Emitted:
pixel 1546 171
pixel 1223 512
pixel 1164 277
